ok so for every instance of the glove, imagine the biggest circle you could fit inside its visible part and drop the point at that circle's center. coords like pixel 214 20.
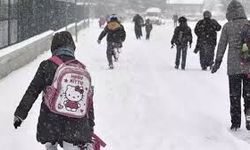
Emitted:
pixel 196 50
pixel 17 122
pixel 99 41
pixel 89 146
pixel 119 45
pixel 216 66
pixel 172 45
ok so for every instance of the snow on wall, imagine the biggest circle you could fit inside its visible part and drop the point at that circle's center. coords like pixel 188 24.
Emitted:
pixel 18 55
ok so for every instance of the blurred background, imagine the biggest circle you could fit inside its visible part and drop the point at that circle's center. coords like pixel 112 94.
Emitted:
pixel 21 19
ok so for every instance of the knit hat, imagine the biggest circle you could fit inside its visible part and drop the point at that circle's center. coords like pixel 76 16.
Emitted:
pixel 113 17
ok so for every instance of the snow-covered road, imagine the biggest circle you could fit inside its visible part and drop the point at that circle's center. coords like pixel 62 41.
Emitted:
pixel 143 104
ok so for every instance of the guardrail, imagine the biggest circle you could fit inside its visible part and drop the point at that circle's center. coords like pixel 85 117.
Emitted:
pixel 20 54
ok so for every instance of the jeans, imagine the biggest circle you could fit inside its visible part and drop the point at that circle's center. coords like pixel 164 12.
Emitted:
pixel 181 51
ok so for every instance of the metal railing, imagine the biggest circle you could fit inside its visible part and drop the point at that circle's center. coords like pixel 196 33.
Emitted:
pixel 22 19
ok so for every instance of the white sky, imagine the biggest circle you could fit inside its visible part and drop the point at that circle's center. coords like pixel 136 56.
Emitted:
pixel 186 1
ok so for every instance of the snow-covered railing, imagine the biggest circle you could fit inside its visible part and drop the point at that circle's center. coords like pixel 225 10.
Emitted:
pixel 20 54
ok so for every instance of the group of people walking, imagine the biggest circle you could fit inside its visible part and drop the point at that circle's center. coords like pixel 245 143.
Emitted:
pixel 116 35
pixel 206 32
pixel 139 23
pixel 69 121
pixel 235 33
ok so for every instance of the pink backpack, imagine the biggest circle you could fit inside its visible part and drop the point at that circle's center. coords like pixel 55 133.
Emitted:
pixel 70 93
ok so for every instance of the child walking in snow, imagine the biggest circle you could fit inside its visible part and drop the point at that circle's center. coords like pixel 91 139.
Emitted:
pixel 182 36
pixel 148 27
pixel 115 36
pixel 54 128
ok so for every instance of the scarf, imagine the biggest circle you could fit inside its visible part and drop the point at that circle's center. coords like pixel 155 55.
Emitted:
pixel 64 51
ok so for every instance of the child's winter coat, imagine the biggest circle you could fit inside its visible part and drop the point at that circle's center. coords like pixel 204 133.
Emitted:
pixel 52 127
pixel 182 35
pixel 115 32
pixel 148 26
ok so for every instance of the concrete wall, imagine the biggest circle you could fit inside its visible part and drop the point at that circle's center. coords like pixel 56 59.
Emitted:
pixel 18 55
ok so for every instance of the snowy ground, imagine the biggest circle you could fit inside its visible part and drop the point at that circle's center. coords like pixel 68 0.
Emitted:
pixel 143 104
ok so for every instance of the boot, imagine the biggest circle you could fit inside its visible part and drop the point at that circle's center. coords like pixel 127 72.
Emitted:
pixel 234 127
pixel 111 66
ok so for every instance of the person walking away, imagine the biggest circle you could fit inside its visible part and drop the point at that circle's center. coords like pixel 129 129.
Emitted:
pixel 148 28
pixel 175 19
pixel 54 126
pixel 102 21
pixel 238 72
pixel 206 31
pixel 138 21
pixel 182 36
pixel 116 35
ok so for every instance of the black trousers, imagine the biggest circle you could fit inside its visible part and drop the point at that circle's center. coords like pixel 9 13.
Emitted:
pixel 206 55
pixel 138 31
pixel 147 35
pixel 237 84
pixel 181 53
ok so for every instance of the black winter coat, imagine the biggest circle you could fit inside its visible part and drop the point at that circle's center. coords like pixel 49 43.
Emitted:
pixel 206 31
pixel 52 127
pixel 182 35
pixel 115 32
pixel 138 20
pixel 148 27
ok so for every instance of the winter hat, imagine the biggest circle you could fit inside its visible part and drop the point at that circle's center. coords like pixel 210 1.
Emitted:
pixel 63 40
pixel 235 10
pixel 113 17
pixel 207 14
pixel 182 19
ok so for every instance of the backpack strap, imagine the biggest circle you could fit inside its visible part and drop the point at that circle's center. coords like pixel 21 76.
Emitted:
pixel 56 60
pixel 98 142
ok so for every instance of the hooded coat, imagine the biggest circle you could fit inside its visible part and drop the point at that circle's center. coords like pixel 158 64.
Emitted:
pixel 206 31
pixel 115 32
pixel 52 127
pixel 231 35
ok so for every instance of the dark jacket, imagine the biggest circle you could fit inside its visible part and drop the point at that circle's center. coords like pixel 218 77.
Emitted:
pixel 206 31
pixel 182 35
pixel 138 20
pixel 231 35
pixel 115 32
pixel 52 127
pixel 148 27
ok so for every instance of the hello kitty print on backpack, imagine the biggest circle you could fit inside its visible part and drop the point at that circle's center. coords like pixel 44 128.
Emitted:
pixel 70 92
